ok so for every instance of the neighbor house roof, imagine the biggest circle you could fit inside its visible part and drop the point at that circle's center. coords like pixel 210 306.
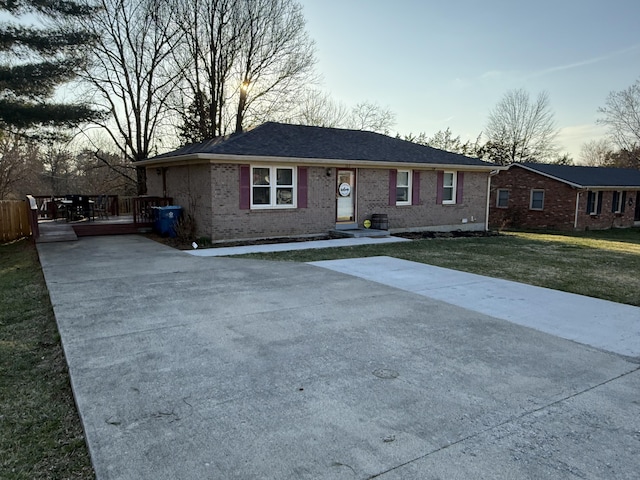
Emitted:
pixel 279 140
pixel 586 177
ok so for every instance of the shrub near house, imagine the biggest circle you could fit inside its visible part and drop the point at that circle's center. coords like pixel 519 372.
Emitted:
pixel 562 197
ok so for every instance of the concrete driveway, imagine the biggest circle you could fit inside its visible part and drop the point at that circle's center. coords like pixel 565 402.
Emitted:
pixel 223 368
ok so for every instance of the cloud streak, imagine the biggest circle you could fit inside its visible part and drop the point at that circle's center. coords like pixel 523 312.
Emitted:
pixel 583 63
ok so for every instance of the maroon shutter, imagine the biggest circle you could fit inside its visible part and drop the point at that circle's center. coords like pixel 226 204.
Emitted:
pixel 245 187
pixel 415 188
pixel 460 187
pixel 439 187
pixel 393 184
pixel 302 187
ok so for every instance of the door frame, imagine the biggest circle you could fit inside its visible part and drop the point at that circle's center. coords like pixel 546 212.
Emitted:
pixel 347 224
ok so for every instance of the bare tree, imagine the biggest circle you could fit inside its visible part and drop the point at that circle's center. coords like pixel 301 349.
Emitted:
pixel 19 165
pixel 243 62
pixel 596 153
pixel 129 74
pixel 621 114
pixel 318 108
pixel 371 116
pixel 519 130
pixel 276 60
pixel 206 58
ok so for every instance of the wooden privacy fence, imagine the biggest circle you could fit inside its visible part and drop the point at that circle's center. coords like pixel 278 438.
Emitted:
pixel 14 220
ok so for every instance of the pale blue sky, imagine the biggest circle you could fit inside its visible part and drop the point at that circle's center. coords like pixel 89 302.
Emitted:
pixel 447 63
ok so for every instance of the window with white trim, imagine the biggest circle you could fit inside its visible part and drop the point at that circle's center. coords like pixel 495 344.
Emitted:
pixel 502 198
pixel 403 187
pixel 618 202
pixel 537 200
pixel 273 187
pixel 594 203
pixel 449 188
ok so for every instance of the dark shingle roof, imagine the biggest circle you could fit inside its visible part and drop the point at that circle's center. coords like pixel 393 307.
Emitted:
pixel 588 176
pixel 297 141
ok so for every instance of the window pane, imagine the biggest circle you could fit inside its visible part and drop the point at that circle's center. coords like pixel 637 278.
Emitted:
pixel 402 194
pixel 503 198
pixel 403 179
pixel 448 180
pixel 261 176
pixel 284 176
pixel 261 195
pixel 447 194
pixel 537 200
pixel 284 196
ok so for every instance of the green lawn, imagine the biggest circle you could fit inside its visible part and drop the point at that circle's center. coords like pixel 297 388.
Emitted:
pixel 603 264
pixel 40 432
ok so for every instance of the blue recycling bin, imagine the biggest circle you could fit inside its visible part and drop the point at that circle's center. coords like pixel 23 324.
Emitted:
pixel 167 219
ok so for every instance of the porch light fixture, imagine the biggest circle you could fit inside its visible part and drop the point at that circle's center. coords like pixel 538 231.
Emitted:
pixel 328 172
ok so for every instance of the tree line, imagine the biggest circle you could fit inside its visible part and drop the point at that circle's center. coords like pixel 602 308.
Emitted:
pixel 145 76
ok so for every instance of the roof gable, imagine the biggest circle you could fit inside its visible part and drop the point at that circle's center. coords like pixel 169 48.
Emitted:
pixel 586 177
pixel 273 139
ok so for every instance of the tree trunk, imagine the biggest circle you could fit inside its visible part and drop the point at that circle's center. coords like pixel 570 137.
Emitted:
pixel 141 177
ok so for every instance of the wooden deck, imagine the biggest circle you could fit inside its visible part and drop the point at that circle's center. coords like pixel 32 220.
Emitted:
pixel 60 230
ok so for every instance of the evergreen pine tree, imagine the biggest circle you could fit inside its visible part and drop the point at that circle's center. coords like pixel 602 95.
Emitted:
pixel 35 60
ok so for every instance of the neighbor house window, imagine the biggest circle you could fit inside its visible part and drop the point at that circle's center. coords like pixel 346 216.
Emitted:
pixel 537 200
pixel 449 188
pixel 272 187
pixel 403 187
pixel 502 198
pixel 619 199
pixel 594 203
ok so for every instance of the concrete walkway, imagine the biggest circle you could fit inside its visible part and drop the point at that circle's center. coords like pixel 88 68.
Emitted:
pixel 190 368
pixel 611 326
pixel 288 247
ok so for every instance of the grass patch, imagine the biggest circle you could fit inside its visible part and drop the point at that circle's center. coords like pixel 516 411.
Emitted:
pixel 40 431
pixel 597 264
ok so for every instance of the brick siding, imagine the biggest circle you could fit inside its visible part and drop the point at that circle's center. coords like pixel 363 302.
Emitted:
pixel 211 193
pixel 559 210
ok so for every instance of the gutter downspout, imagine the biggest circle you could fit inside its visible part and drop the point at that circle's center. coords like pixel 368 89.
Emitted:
pixel 575 221
pixel 486 219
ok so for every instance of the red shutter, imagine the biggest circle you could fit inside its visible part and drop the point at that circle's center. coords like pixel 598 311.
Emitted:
pixel 439 187
pixel 393 183
pixel 460 187
pixel 415 188
pixel 302 187
pixel 245 187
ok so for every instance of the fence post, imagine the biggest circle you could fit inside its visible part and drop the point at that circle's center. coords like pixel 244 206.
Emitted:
pixel 33 216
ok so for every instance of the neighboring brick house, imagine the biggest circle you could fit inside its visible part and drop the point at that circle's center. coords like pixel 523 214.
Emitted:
pixel 288 180
pixel 563 197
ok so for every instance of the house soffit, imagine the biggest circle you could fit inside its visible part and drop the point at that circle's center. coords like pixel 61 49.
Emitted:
pixel 203 158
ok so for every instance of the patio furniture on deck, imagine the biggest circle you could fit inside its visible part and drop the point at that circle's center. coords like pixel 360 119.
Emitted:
pixel 100 207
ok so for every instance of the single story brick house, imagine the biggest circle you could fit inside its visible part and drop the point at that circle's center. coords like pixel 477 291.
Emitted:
pixel 291 180
pixel 564 197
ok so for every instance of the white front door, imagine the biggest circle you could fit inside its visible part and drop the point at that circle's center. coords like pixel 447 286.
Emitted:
pixel 346 196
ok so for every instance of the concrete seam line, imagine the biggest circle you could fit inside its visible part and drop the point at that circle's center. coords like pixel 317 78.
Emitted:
pixel 509 420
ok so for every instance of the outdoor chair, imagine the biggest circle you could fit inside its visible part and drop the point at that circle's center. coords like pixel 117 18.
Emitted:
pixel 101 207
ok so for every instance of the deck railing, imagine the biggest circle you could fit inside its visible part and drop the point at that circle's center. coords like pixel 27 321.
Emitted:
pixel 143 208
pixel 48 205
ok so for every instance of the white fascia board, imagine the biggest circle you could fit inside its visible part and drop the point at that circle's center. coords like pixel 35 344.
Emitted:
pixel 320 162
